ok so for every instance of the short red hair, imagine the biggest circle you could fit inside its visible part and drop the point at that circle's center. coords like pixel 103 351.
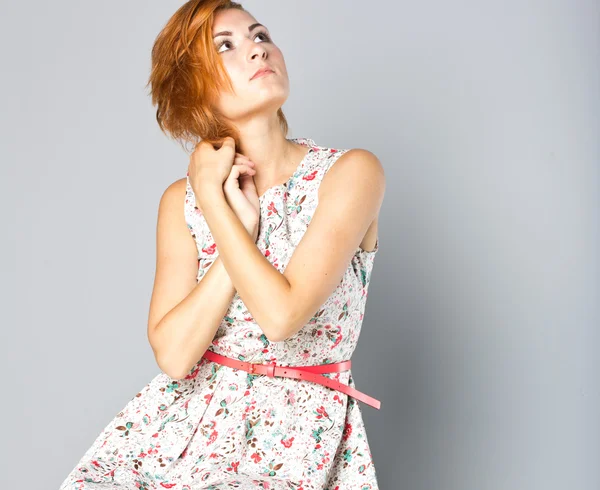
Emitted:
pixel 187 76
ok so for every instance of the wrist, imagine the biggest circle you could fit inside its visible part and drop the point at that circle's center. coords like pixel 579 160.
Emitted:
pixel 209 194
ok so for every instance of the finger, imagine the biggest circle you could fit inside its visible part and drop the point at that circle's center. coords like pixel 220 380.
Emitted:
pixel 240 161
pixel 237 176
pixel 245 181
pixel 239 155
pixel 243 160
pixel 247 185
pixel 244 170
pixel 241 169
pixel 242 156
pixel 202 144
pixel 228 144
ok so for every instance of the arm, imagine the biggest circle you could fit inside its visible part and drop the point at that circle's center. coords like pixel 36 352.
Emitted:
pixel 350 197
pixel 184 315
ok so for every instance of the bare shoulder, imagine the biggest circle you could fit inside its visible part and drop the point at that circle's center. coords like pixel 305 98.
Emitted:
pixel 175 190
pixel 367 159
pixel 357 167
pixel 173 197
pixel 171 215
pixel 360 174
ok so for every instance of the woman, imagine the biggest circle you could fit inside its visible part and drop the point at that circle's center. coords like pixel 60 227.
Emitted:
pixel 244 288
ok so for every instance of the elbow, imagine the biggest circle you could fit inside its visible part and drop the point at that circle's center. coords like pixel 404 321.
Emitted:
pixel 276 337
pixel 281 330
pixel 171 365
pixel 285 318
pixel 175 370
pixel 173 373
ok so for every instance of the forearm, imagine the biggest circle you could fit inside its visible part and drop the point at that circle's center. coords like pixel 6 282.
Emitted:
pixel 262 288
pixel 183 335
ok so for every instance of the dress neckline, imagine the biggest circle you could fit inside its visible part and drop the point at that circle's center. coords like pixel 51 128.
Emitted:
pixel 302 141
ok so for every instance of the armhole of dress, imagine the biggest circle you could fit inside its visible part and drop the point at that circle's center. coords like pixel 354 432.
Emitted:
pixel 331 159
pixel 189 211
pixel 371 253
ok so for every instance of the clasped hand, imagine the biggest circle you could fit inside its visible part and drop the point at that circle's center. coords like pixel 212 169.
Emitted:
pixel 225 169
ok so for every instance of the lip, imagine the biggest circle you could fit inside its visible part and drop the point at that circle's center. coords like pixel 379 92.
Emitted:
pixel 261 72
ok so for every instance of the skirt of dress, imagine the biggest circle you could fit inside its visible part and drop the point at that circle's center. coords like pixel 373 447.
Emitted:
pixel 222 428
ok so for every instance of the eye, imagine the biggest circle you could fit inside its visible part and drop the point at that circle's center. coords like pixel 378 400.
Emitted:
pixel 226 41
pixel 221 44
pixel 264 34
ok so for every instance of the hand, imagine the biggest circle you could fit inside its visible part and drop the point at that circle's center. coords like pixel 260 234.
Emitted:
pixel 240 193
pixel 206 173
pixel 210 167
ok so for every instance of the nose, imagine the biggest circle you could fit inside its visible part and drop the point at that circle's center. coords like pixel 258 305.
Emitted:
pixel 257 50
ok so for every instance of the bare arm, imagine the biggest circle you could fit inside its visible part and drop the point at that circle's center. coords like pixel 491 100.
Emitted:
pixel 350 197
pixel 184 315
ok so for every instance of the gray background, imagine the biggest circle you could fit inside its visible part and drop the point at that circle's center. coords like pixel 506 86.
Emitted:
pixel 481 332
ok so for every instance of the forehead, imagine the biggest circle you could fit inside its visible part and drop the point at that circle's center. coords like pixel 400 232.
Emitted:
pixel 232 20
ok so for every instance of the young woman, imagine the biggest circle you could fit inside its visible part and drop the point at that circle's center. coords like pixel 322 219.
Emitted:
pixel 254 314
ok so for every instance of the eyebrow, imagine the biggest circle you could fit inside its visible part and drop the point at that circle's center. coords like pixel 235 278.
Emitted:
pixel 229 33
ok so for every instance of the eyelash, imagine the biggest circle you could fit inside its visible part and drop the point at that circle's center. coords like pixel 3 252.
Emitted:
pixel 268 39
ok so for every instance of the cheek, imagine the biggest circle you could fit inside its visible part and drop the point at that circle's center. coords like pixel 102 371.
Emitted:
pixel 234 71
pixel 279 61
pixel 277 56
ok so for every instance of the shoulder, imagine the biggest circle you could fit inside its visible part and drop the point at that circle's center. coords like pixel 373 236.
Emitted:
pixel 355 167
pixel 362 158
pixel 174 192
pixel 172 200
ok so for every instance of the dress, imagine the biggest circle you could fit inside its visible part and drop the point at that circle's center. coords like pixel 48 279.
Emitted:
pixel 221 428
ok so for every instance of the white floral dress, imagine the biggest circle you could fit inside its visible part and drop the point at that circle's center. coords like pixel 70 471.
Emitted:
pixel 221 428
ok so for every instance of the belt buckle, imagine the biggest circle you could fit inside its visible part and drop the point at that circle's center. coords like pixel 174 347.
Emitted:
pixel 270 372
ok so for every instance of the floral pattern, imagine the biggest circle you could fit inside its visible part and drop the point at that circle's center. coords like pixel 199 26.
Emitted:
pixel 221 428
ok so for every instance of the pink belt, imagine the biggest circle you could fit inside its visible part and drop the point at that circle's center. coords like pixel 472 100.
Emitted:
pixel 306 373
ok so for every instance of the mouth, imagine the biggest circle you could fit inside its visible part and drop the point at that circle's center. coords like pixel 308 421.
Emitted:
pixel 262 72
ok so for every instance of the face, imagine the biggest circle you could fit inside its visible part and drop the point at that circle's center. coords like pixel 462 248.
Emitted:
pixel 246 48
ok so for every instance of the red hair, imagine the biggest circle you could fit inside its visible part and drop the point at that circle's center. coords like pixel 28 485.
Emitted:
pixel 187 76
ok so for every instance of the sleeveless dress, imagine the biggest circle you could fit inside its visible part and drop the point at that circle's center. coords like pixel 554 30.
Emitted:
pixel 221 428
